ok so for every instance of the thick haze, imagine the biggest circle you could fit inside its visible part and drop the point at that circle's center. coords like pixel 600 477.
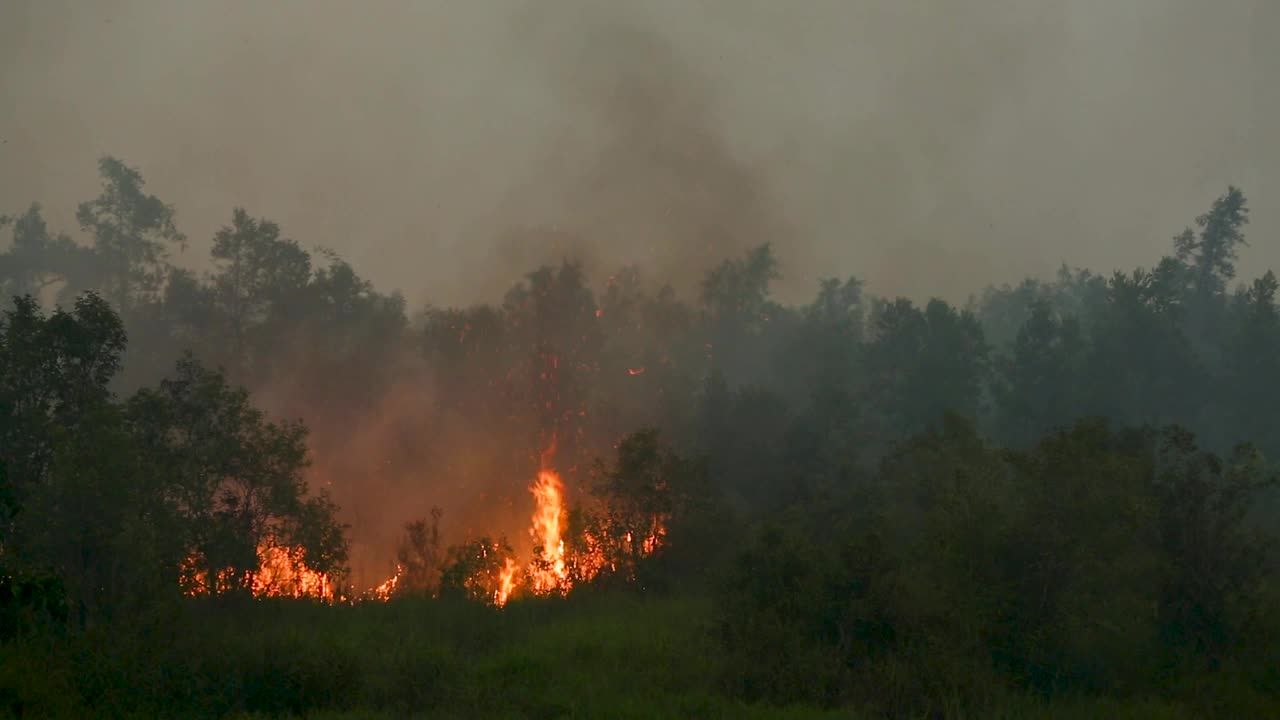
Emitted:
pixel 447 147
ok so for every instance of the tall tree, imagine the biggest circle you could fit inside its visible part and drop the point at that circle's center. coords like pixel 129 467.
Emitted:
pixel 257 286
pixel 1206 261
pixel 131 233
pixel 1039 383
pixel 921 364
pixel 236 479
pixel 738 312
pixel 1142 367
pixel 37 260
pixel 1252 384
pixel 1215 561
pixel 76 505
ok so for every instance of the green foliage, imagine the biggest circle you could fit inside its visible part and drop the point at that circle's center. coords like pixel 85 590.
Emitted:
pixel 65 448
pixel 130 230
pixel 419 557
pixel 1215 564
pixel 108 500
pixel 473 570
pixel 1098 561
pixel 1040 382
pixel 37 260
pixel 234 477
pixel 923 363
pixel 644 524
pixel 820 465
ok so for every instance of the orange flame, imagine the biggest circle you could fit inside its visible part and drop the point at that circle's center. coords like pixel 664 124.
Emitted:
pixel 553 569
pixel 506 583
pixel 388 586
pixel 281 573
pixel 547 572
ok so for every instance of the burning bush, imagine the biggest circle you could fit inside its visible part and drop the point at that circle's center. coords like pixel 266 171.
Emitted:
pixel 483 570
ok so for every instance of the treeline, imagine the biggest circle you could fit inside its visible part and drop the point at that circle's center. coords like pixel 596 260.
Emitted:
pixel 730 374
pixel 904 508
pixel 1100 562
pixel 110 508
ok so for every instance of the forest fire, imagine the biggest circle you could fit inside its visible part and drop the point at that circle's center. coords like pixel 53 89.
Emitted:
pixel 506 582
pixel 281 573
pixel 547 572
pixel 486 570
pixel 388 587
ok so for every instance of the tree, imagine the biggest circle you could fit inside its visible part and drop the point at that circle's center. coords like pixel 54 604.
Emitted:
pixel 78 510
pixel 131 231
pixel 53 373
pixel 476 570
pixel 258 284
pixel 1141 366
pixel 1214 562
pixel 1211 256
pixel 820 351
pixel 236 479
pixel 738 312
pixel 1203 264
pixel 419 557
pixel 742 434
pixel 1004 310
pixel 1039 385
pixel 1246 407
pixel 641 499
pixel 551 320
pixel 1079 570
pixel 922 364
pixel 37 260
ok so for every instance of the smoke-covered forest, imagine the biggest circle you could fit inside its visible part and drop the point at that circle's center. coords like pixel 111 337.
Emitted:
pixel 267 488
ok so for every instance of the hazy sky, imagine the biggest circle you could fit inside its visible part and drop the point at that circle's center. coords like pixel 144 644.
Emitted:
pixel 446 147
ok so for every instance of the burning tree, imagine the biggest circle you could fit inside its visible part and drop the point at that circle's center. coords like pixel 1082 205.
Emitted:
pixel 419 558
pixel 483 570
pixel 635 501
pixel 235 482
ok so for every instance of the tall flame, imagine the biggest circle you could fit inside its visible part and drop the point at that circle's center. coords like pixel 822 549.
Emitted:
pixel 281 571
pixel 282 574
pixel 548 571
pixel 506 583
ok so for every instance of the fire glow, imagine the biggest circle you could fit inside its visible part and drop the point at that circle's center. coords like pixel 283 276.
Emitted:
pixel 548 573
pixel 554 568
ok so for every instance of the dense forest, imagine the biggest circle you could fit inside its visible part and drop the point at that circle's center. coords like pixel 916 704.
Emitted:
pixel 269 489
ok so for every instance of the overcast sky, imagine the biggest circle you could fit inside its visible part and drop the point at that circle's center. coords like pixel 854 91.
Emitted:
pixel 447 147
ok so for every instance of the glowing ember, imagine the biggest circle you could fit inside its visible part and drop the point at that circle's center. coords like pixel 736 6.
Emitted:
pixel 652 542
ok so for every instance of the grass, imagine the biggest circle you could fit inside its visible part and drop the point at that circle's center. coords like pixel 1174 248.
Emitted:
pixel 603 656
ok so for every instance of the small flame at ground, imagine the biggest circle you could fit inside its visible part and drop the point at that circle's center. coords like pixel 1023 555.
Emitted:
pixel 388 587
pixel 281 573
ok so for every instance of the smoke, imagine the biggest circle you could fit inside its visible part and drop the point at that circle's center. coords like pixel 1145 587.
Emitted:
pixel 444 148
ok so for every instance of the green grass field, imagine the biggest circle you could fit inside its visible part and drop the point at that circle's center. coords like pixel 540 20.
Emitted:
pixel 591 657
